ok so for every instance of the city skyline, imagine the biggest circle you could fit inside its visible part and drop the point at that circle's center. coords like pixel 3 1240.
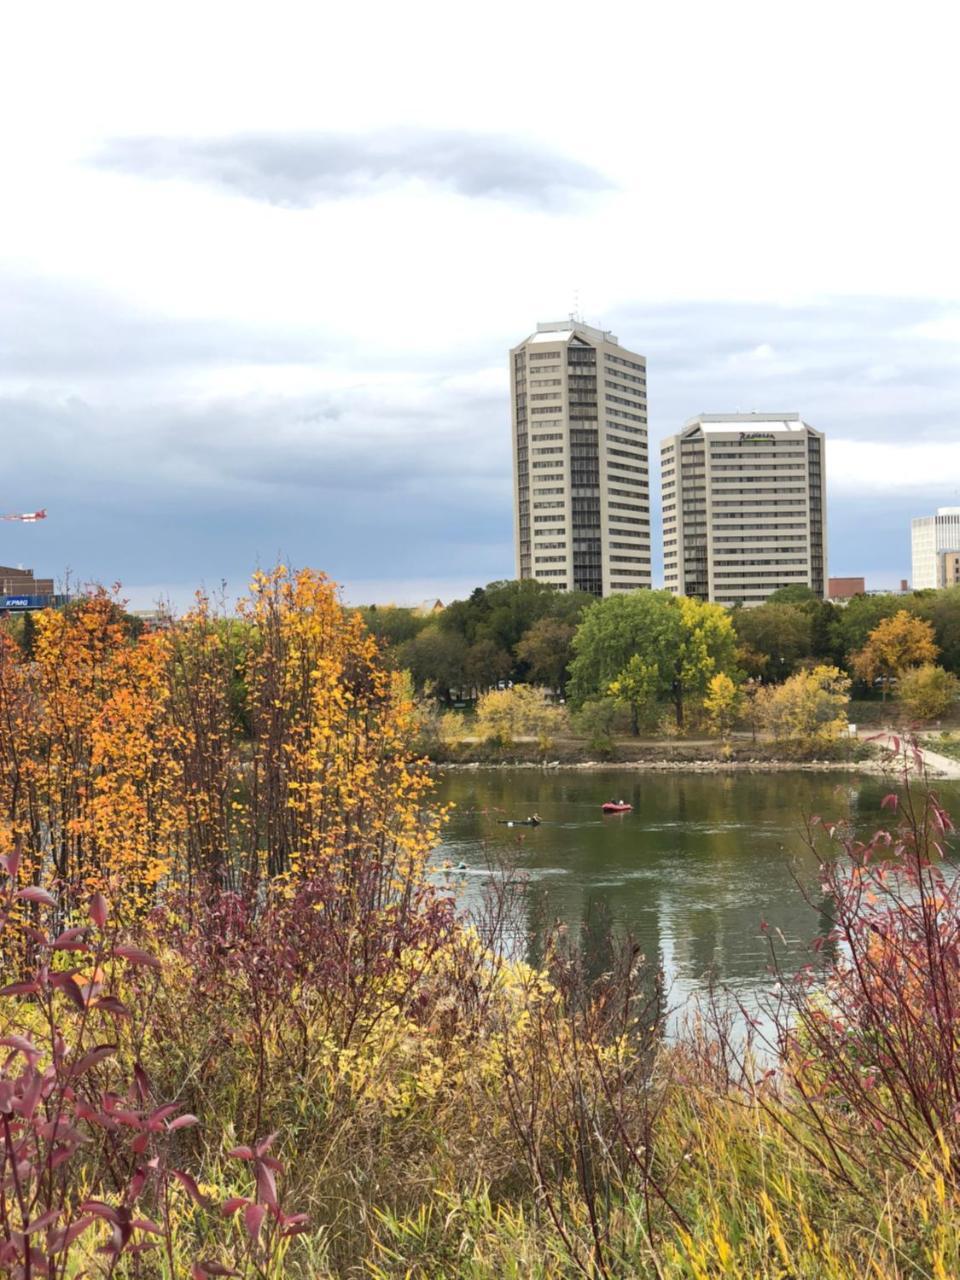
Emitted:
pixel 270 321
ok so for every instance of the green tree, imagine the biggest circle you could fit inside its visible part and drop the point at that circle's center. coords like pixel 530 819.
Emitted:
pixel 436 660
pixel 504 611
pixel 927 692
pixel 391 625
pixel 546 650
pixel 942 609
pixel 686 641
pixel 783 633
pixel 636 687
pixel 894 644
pixel 485 664
pixel 798 594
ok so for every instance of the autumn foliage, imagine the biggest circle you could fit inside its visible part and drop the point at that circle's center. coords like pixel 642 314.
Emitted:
pixel 246 1032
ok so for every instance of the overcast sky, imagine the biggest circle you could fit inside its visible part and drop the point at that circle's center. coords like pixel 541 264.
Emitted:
pixel 260 266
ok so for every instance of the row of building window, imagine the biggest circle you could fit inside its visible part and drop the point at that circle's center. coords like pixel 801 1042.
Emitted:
pixel 626 377
pixel 762 574
pixel 627 364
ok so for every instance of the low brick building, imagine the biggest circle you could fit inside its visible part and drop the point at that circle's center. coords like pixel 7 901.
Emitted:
pixel 21 582
pixel 845 588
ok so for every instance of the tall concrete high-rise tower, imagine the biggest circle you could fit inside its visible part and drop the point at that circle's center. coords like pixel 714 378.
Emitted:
pixel 580 466
pixel 744 507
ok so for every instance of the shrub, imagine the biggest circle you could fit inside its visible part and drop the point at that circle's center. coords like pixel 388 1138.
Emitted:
pixel 927 692
pixel 807 712
pixel 599 720
pixel 504 715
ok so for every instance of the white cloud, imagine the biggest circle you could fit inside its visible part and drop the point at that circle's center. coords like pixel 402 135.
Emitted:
pixel 918 467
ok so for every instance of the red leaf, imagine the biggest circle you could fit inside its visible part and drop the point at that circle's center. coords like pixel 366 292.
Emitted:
pixel 100 1210
pixel 112 1005
pixel 69 940
pixel 264 1146
pixel 65 983
pixel 182 1122
pixel 33 893
pixel 889 801
pixel 77 1228
pixel 11 863
pixel 266 1185
pixel 98 910
pixel 241 1153
pixel 20 989
pixel 203 1269
pixel 142 1081
pixel 231 1206
pixel 253 1216
pixel 45 1220
pixel 134 955
pixel 93 1057
pixel 155 1118
pixel 29 1050
pixel 185 1180
pixel 144 1224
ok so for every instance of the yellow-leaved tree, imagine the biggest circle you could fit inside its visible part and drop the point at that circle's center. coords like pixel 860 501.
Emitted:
pixel 808 711
pixel 894 644
pixel 213 748
pixel 722 703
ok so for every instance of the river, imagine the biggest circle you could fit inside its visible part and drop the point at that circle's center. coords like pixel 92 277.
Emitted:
pixel 690 874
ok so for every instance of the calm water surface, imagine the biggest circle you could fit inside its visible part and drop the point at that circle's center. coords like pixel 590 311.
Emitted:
pixel 690 873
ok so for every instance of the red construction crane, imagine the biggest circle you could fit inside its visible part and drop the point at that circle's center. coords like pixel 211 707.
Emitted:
pixel 28 517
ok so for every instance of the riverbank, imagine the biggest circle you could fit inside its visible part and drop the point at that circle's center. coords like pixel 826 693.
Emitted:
pixel 870 766
pixel 876 758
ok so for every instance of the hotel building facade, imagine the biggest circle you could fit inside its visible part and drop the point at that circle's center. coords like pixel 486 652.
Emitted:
pixel 580 461
pixel 744 507
pixel 934 540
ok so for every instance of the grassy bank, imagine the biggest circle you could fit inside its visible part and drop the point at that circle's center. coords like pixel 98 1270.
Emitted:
pixel 741 751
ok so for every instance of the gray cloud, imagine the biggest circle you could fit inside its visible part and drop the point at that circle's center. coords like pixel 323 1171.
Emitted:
pixel 299 170
pixel 148 479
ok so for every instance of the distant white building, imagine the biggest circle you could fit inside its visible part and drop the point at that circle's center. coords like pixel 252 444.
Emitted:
pixel 935 542
pixel 743 507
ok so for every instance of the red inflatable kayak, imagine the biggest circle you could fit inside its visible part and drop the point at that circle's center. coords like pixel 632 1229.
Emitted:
pixel 610 807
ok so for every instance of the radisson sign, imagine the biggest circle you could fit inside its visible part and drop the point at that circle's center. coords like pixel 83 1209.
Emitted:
pixel 757 435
